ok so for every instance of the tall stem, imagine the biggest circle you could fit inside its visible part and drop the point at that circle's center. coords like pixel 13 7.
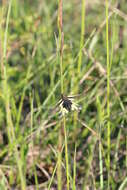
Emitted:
pixel 6 92
pixel 60 60
pixel 108 94
pixel 66 154
pixel 82 36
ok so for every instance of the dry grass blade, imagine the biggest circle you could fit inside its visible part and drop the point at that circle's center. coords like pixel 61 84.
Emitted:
pixel 101 69
pixel 86 126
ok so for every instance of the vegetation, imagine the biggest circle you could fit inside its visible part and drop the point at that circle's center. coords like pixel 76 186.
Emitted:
pixel 49 48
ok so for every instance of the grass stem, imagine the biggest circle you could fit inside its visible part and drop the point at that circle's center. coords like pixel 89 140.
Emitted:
pixel 74 170
pixel 108 93
pixel 82 35
pixel 6 92
pixel 60 60
pixel 66 154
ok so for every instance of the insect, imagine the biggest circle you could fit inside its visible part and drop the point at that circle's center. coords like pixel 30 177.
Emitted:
pixel 67 104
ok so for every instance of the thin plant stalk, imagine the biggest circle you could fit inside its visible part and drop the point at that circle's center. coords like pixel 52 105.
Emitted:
pixel 108 94
pixel 32 143
pixel 54 171
pixel 123 185
pixel 60 50
pixel 66 154
pixel 82 36
pixel 74 170
pixel 60 60
pixel 22 100
pixel 101 162
pixel 59 161
pixel 6 92
pixel 61 43
pixel 100 121
pixel 126 149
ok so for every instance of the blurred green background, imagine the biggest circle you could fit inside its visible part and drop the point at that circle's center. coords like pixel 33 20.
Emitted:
pixel 33 83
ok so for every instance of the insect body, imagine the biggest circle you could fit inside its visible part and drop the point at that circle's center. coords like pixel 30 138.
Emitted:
pixel 67 104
